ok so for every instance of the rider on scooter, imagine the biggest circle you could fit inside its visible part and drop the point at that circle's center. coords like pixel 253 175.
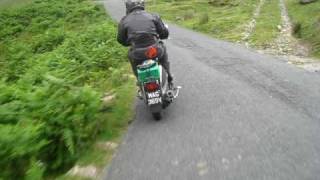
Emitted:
pixel 142 30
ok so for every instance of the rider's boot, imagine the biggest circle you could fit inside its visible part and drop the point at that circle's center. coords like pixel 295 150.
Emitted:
pixel 170 76
pixel 170 81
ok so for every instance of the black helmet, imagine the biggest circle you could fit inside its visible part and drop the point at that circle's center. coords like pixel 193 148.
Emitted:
pixel 134 4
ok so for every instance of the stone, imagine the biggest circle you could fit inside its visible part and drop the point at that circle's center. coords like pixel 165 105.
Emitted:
pixel 279 27
pixel 87 171
pixel 108 97
pixel 107 145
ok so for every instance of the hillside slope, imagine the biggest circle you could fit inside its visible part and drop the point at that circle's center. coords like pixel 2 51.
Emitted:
pixel 257 23
pixel 57 60
pixel 306 21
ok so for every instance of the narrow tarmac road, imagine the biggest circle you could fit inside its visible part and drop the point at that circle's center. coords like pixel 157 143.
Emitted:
pixel 240 115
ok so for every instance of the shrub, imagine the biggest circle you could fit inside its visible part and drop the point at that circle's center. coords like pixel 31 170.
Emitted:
pixel 48 42
pixel 296 29
pixel 204 19
pixel 56 58
pixel 189 14
pixel 18 145
pixel 15 57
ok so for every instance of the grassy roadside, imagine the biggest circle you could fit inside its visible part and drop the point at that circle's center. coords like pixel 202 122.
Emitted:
pixel 99 155
pixel 266 30
pixel 58 59
pixel 306 19
pixel 228 20
pixel 219 18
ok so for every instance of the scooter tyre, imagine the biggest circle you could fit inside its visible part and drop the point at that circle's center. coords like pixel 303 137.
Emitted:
pixel 157 116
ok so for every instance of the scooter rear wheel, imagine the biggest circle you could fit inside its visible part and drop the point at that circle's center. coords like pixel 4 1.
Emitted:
pixel 157 116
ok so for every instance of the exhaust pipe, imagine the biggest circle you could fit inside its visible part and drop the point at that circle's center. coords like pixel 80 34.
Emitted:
pixel 170 95
pixel 173 94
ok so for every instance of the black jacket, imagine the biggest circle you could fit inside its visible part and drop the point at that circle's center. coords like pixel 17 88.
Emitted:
pixel 141 29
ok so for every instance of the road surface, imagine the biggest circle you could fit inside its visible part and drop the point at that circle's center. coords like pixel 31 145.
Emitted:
pixel 240 115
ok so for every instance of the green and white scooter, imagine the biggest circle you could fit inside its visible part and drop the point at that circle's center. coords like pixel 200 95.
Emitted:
pixel 156 92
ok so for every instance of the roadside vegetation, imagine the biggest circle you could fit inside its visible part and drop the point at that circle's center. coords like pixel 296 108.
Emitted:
pixel 223 19
pixel 266 29
pixel 58 60
pixel 253 22
pixel 306 20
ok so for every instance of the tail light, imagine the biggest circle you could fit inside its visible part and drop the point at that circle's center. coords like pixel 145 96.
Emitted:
pixel 152 52
pixel 152 86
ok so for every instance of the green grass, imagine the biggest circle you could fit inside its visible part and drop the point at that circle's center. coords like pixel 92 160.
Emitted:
pixel 57 59
pixel 266 27
pixel 225 21
pixel 307 21
pixel 120 116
